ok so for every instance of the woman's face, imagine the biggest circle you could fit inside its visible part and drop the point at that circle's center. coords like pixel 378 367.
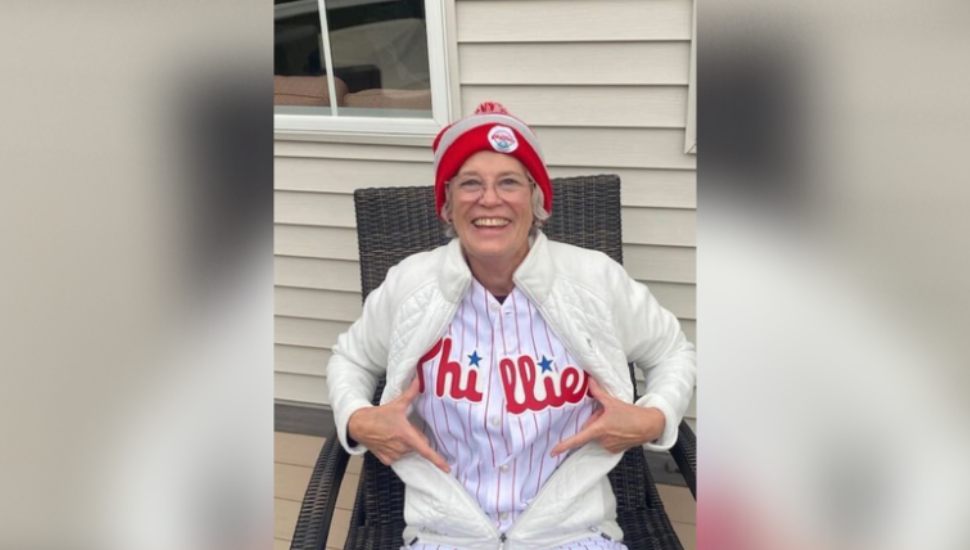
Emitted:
pixel 491 209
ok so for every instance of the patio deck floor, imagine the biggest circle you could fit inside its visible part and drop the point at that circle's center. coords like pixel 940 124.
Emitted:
pixel 293 463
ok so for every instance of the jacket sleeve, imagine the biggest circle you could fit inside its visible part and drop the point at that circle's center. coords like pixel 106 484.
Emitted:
pixel 652 338
pixel 358 361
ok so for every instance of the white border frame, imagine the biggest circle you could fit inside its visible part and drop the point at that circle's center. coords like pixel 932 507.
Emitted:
pixel 442 65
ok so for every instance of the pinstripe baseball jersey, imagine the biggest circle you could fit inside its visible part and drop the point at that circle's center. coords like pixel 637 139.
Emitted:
pixel 497 392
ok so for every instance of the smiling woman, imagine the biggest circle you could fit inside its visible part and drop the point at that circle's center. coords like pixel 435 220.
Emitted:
pixel 521 389
pixel 492 215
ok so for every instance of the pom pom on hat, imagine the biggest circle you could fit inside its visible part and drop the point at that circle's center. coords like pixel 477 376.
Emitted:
pixel 491 107
pixel 490 128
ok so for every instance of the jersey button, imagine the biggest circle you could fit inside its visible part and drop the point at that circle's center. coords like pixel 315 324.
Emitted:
pixel 495 421
pixel 504 467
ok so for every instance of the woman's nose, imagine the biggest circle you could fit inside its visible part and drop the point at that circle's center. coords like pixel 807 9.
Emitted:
pixel 490 195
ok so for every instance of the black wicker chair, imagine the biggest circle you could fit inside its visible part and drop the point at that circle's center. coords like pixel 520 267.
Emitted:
pixel 395 222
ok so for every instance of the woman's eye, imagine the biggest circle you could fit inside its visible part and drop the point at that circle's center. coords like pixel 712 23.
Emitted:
pixel 469 184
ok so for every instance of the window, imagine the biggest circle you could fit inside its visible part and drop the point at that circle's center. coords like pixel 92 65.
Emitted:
pixel 380 67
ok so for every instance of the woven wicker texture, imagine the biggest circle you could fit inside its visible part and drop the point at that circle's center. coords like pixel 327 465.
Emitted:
pixel 393 223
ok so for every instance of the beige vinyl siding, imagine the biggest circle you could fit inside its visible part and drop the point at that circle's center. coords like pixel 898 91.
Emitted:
pixel 561 145
pixel 599 106
pixel 605 85
pixel 665 226
pixel 631 63
pixel 671 264
pixel 299 388
pixel 640 186
pixel 300 359
pixel 572 20
pixel 324 274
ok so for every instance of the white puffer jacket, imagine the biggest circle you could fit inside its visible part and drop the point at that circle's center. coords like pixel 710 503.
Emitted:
pixel 602 316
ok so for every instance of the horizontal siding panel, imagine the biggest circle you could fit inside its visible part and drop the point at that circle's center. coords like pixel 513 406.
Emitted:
pixel 318 242
pixel 641 186
pixel 647 263
pixel 620 147
pixel 335 210
pixel 690 329
pixel 317 304
pixel 661 263
pixel 317 273
pixel 346 306
pixel 662 226
pixel 301 360
pixel 312 149
pixel 346 175
pixel 569 20
pixel 597 106
pixel 300 388
pixel 610 63
pixel 313 333
pixel 666 226
pixel 644 187
pixel 679 299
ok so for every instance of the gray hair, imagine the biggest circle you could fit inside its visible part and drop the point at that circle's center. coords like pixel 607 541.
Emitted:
pixel 539 214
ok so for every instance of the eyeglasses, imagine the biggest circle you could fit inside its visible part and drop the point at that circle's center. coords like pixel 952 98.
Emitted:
pixel 473 188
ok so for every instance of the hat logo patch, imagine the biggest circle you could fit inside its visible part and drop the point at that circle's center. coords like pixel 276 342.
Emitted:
pixel 502 139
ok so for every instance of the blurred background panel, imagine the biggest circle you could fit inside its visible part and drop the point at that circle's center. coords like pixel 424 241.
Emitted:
pixel 136 289
pixel 831 274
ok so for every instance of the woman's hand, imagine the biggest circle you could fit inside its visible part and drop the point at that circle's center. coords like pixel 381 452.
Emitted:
pixel 616 426
pixel 386 431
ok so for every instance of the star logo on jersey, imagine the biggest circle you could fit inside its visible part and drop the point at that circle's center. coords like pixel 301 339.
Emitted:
pixel 546 364
pixel 473 359
pixel 526 389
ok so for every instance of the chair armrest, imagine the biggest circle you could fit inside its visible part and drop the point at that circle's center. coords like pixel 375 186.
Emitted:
pixel 684 453
pixel 313 524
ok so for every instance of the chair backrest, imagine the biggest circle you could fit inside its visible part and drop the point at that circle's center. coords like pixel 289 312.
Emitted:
pixel 395 222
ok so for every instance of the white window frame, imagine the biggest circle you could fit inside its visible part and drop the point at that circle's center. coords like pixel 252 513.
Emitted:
pixel 442 64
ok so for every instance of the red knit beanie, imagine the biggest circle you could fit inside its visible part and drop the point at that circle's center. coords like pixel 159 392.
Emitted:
pixel 490 128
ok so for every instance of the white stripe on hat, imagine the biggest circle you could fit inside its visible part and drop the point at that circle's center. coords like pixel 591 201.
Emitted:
pixel 474 121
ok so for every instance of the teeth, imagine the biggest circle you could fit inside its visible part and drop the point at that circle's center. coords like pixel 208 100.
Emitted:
pixel 491 222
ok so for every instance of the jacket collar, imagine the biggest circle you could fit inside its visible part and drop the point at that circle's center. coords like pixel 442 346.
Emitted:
pixel 533 276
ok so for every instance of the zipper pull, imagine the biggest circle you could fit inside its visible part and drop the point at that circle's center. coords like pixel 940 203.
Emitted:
pixel 502 538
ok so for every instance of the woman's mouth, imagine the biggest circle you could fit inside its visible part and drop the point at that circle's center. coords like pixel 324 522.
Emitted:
pixel 491 222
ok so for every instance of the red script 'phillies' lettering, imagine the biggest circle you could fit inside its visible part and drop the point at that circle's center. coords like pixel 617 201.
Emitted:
pixel 449 369
pixel 573 384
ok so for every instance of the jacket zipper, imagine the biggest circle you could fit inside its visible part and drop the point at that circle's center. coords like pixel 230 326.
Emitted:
pixel 458 487
pixel 478 509
pixel 538 497
pixel 503 537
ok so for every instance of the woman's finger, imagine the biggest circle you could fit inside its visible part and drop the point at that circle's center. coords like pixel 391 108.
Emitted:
pixel 598 392
pixel 411 392
pixel 420 445
pixel 580 438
